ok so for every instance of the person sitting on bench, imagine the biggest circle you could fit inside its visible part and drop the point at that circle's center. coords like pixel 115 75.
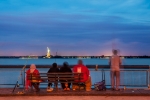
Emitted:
pixel 80 68
pixel 53 69
pixel 32 73
pixel 65 85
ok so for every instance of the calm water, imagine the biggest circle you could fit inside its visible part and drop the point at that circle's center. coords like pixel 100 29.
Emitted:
pixel 42 61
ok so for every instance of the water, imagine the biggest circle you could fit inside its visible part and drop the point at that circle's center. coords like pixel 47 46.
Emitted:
pixel 10 76
pixel 71 61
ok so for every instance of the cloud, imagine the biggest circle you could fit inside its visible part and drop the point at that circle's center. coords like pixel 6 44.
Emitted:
pixel 85 27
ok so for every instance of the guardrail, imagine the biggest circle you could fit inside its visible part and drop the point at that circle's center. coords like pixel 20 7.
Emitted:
pixel 130 75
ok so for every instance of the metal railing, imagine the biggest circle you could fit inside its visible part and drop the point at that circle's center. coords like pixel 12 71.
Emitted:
pixel 130 78
pixel 133 77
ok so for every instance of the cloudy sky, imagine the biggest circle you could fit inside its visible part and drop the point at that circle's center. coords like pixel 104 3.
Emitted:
pixel 74 27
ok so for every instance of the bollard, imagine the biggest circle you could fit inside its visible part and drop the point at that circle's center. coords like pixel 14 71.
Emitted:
pixel 124 88
pixel 96 68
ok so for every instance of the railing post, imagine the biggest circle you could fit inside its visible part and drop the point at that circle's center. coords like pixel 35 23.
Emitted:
pixel 24 78
pixel 149 78
pixel 147 83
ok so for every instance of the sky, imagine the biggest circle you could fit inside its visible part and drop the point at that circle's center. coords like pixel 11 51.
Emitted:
pixel 74 27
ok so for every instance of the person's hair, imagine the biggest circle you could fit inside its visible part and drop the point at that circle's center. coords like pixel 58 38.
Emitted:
pixel 65 64
pixel 80 61
pixel 32 66
pixel 115 52
pixel 54 65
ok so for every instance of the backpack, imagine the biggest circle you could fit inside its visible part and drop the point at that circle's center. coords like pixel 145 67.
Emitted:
pixel 99 86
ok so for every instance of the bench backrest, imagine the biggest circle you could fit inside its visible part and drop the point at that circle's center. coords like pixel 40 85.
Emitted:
pixel 56 77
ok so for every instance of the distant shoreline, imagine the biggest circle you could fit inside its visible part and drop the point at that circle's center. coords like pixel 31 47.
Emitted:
pixel 73 57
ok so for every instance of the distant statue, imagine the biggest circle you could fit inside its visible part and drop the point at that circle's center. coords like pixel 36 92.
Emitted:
pixel 48 53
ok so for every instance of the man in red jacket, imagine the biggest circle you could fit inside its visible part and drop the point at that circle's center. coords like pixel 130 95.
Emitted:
pixel 80 68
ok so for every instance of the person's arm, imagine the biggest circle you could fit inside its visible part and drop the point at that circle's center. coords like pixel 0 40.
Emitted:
pixel 58 70
pixel 48 71
pixel 109 61
pixel 88 72
pixel 73 69
pixel 120 61
pixel 37 73
pixel 70 70
pixel 27 74
pixel 27 82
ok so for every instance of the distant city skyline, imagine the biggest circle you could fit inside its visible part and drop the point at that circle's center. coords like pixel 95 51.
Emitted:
pixel 74 27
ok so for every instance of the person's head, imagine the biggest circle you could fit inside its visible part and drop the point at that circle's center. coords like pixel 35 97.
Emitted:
pixel 32 68
pixel 115 52
pixel 54 65
pixel 80 62
pixel 65 64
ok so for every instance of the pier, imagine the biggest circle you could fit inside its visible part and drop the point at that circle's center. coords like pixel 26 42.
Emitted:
pixel 136 79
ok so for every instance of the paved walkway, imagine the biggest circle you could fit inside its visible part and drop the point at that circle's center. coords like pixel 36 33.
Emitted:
pixel 129 94
pixel 76 98
pixel 59 92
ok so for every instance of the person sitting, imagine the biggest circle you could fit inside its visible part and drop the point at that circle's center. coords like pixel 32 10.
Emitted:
pixel 53 69
pixel 80 68
pixel 65 85
pixel 33 74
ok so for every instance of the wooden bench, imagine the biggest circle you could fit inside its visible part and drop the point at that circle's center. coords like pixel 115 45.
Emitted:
pixel 58 78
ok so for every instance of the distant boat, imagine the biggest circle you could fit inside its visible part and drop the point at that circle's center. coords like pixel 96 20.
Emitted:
pixel 29 57
pixel 57 56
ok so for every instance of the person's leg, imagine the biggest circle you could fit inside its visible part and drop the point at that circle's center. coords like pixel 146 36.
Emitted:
pixel 49 85
pixel 36 86
pixel 69 84
pixel 117 79
pixel 75 86
pixel 88 84
pixel 63 85
pixel 112 79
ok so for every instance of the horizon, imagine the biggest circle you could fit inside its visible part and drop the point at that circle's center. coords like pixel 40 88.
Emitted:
pixel 80 27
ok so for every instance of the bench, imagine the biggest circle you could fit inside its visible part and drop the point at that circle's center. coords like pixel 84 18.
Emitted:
pixel 58 78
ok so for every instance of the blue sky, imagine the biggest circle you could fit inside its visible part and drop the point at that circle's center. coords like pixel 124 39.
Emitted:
pixel 74 27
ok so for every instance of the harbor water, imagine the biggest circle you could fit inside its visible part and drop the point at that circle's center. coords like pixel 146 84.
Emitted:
pixel 72 61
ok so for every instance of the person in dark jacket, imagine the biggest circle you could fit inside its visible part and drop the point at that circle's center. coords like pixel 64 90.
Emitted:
pixel 65 85
pixel 53 69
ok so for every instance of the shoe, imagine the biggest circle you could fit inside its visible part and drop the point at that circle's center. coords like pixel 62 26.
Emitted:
pixel 68 89
pixel 117 89
pixel 112 89
pixel 37 90
pixel 49 89
pixel 88 90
